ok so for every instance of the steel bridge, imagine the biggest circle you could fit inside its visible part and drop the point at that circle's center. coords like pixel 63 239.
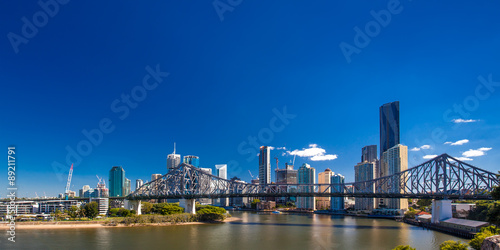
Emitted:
pixel 443 177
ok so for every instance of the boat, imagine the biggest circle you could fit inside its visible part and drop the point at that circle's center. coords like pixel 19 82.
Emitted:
pixel 277 212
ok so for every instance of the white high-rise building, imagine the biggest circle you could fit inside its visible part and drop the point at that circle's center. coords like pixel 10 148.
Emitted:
pixel 221 171
pixel 395 160
pixel 364 171
pixel 138 183
pixel 306 175
pixel 173 160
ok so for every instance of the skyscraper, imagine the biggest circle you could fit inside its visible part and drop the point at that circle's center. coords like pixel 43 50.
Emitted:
pixel 324 178
pixel 264 165
pixel 155 176
pixel 389 126
pixel 369 153
pixel 221 171
pixel 337 202
pixel 192 160
pixel 138 183
pixel 306 175
pixel 173 160
pixel 127 187
pixel 395 160
pixel 286 176
pixel 116 181
pixel 364 171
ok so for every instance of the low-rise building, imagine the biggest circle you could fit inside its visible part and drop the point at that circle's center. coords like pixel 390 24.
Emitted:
pixel 472 226
pixel 103 205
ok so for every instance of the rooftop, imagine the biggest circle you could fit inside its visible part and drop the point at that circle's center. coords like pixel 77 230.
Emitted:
pixel 470 223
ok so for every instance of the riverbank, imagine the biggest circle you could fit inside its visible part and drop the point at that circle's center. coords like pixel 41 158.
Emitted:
pixel 98 224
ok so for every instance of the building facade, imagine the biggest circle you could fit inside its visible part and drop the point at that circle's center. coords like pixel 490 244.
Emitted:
pixel 173 160
pixel 127 188
pixel 221 171
pixel 394 161
pixel 306 175
pixel 337 203
pixel 389 127
pixel 264 165
pixel 138 183
pixel 364 171
pixel 192 160
pixel 102 205
pixel 324 178
pixel 116 181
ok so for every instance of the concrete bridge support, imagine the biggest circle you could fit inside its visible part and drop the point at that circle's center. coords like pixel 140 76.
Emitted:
pixel 441 210
pixel 188 205
pixel 133 205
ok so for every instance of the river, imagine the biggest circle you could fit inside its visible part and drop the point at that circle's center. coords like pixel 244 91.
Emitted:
pixel 255 231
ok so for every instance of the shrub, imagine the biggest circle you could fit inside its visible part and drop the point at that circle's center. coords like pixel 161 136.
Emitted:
pixel 404 247
pixel 486 232
pixel 453 245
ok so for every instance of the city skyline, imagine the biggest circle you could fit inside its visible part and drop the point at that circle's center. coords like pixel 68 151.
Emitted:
pixel 220 90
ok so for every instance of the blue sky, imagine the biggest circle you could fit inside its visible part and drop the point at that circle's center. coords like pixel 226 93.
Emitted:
pixel 228 68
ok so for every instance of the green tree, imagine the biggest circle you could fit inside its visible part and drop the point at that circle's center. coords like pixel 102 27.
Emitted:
pixel 254 203
pixel 146 207
pixel 123 212
pixel 453 245
pixel 480 212
pixel 494 214
pixel 73 212
pixel 404 247
pixel 113 212
pixel 410 214
pixel 211 213
pixel 91 210
pixel 496 190
pixel 485 232
pixel 424 202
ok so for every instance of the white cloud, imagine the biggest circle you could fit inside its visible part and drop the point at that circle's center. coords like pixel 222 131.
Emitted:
pixel 314 152
pixel 457 143
pixel 464 159
pixel 421 147
pixel 323 157
pixel 271 147
pixel 485 149
pixel 429 156
pixel 281 148
pixel 464 121
pixel 475 152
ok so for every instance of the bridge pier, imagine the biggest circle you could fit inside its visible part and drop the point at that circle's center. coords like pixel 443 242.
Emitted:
pixel 441 210
pixel 189 205
pixel 133 205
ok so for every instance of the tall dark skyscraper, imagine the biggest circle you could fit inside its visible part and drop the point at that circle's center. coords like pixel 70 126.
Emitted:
pixel 389 126
pixel 264 165
pixel 369 153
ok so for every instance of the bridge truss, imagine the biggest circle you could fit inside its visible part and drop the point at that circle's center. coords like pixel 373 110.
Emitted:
pixel 443 177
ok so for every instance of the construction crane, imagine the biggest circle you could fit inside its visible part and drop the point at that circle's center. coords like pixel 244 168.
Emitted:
pixel 250 174
pixel 66 192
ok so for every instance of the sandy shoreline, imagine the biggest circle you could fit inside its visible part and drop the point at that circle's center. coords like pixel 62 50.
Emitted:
pixel 97 224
